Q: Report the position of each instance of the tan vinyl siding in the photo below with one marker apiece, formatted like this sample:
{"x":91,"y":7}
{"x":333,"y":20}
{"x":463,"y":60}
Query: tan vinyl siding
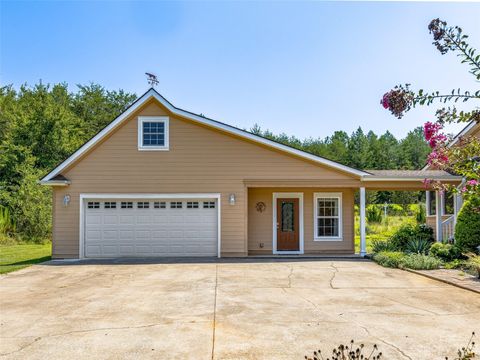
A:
{"x":200,"y":160}
{"x":260,"y":224}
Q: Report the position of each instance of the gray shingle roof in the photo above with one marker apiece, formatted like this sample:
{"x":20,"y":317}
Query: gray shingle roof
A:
{"x":401,"y":174}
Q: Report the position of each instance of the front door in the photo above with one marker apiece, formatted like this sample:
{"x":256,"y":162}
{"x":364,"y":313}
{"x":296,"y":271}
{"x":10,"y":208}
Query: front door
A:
{"x":288,"y":225}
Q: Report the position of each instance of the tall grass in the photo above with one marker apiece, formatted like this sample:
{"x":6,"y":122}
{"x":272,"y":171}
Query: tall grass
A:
{"x":7,"y":224}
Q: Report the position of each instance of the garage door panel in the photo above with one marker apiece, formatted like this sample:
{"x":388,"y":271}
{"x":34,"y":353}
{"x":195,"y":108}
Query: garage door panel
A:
{"x":110,"y":219}
{"x":127,"y":219}
{"x":182,"y":229}
{"x":93,"y":219}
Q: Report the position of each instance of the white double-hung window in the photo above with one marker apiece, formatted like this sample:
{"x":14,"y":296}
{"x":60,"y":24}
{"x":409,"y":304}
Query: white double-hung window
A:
{"x":327,"y":216}
{"x":153,"y":133}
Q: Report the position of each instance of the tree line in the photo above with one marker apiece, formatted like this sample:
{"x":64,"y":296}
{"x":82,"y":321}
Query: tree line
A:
{"x":41,"y":125}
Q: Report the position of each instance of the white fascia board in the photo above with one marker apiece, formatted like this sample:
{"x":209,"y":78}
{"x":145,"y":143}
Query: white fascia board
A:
{"x":54,"y":183}
{"x":410,"y":179}
{"x":202,"y":120}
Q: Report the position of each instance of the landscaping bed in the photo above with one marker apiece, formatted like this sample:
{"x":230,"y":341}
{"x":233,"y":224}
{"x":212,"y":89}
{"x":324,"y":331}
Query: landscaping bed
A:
{"x":412,"y":247}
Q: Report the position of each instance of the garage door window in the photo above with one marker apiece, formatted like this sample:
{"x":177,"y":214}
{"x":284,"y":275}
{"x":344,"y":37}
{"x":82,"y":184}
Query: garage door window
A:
{"x":192,"y":204}
{"x":159,"y":205}
{"x":209,"y":204}
{"x":110,"y":205}
{"x":143,"y":205}
{"x":93,"y":205}
{"x":176,"y":205}
{"x":126,"y":205}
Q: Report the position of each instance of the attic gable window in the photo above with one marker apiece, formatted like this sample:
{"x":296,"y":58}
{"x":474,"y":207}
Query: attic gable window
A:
{"x":153,"y":133}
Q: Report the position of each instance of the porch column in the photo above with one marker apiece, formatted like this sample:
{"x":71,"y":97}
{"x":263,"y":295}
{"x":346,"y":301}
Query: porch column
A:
{"x":363,"y":237}
{"x":455,"y":209}
{"x":438,"y":215}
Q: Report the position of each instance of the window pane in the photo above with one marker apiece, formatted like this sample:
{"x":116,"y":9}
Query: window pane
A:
{"x":288,"y":215}
{"x":448,"y":203}
{"x":153,"y":133}
{"x":327,"y":227}
{"x":433,"y":208}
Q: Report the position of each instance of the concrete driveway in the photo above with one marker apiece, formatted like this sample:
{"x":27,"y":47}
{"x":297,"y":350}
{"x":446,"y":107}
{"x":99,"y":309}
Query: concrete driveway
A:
{"x":238,"y":309}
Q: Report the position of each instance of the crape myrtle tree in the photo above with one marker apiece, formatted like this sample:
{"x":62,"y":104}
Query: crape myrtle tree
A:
{"x":463,"y":158}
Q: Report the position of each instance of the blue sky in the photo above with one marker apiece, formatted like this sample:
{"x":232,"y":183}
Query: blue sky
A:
{"x":306,"y":69}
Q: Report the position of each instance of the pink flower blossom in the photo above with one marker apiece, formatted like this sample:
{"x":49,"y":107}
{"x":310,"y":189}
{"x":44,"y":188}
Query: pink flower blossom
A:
{"x":437,"y":158}
{"x":426,"y":183}
{"x":431,"y":129}
{"x":385,"y":102}
{"x":473,"y":182}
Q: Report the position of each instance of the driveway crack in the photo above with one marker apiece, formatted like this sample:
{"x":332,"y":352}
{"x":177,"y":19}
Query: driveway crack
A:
{"x":381,"y":340}
{"x":81,"y":331}
{"x":290,"y":277}
{"x":333,"y":275}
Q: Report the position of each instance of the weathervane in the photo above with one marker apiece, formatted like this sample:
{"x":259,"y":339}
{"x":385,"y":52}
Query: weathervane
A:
{"x":152,"y":79}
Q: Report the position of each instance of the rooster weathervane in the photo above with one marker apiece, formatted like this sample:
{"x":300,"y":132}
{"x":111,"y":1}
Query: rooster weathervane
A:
{"x":152,"y":79}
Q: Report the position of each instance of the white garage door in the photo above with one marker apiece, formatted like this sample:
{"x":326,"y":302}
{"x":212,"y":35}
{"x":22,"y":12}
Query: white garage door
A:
{"x":142,"y":227}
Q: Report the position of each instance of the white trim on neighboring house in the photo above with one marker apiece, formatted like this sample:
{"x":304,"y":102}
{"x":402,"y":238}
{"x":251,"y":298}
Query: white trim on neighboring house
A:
{"x":331,"y":195}
{"x":464,"y":131}
{"x":159,"y":119}
{"x":152,"y":94}
{"x":84,"y":197}
{"x":288,"y":195}
{"x":457,"y":137}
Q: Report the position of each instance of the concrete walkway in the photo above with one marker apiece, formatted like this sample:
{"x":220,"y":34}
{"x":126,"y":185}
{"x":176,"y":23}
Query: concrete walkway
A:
{"x":238,"y":309}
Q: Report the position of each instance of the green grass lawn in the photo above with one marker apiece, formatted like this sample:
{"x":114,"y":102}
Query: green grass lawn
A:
{"x":19,"y":256}
{"x":380,"y":231}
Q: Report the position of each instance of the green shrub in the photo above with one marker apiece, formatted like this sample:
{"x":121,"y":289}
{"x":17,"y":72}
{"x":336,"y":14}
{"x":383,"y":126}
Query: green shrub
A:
{"x":454,"y":264}
{"x":473,"y":264}
{"x":373,"y":214}
{"x":420,"y":262}
{"x":420,"y":214}
{"x":467,"y":230}
{"x":389,"y":258}
{"x":418,"y":246}
{"x":409,"y":232}
{"x":446,"y":252}
{"x":382,"y":245}
{"x":396,"y":210}
{"x":7,"y":225}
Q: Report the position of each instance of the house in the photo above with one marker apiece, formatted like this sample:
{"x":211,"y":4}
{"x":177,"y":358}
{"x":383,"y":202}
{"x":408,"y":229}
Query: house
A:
{"x":162,"y":181}
{"x":449,"y":203}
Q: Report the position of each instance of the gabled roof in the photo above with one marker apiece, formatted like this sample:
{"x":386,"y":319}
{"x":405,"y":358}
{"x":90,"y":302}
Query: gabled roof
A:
{"x":153,"y":94}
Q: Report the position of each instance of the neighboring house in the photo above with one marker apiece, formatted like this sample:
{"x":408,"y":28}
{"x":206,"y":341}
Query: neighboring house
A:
{"x":162,"y":181}
{"x":449,"y":204}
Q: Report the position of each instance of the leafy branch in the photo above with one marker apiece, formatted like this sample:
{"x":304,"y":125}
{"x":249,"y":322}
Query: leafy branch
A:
{"x":452,"y":39}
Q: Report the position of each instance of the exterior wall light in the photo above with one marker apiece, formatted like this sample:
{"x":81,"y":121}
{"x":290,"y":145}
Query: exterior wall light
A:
{"x":231,"y":199}
{"x":66,"y":200}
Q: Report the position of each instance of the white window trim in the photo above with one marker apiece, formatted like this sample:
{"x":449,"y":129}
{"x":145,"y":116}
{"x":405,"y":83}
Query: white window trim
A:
{"x":298,"y":196}
{"x":337,"y":195}
{"x":159,"y":119}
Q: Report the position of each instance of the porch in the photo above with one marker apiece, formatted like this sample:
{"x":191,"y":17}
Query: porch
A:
{"x":316,"y":218}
